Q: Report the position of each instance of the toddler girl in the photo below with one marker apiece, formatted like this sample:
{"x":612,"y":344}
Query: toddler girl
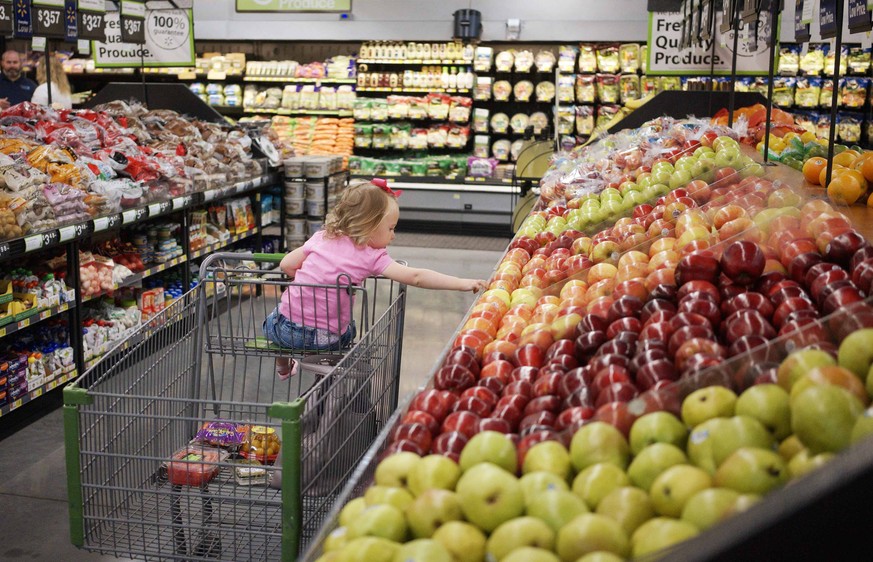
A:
{"x":353,"y":244}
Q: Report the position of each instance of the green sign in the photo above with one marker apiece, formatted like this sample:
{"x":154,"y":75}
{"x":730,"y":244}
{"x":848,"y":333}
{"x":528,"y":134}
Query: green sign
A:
{"x":292,"y":6}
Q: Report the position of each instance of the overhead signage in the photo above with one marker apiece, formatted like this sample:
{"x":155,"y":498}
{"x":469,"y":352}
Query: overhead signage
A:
{"x":827,"y":18}
{"x":5,"y":17}
{"x":169,"y":41}
{"x":667,"y":57}
{"x":132,"y":22}
{"x":727,"y":15}
{"x":291,"y":6}
{"x":48,"y":18}
{"x":859,"y":16}
{"x":91,"y":20}
{"x":801,"y":28}
{"x":706,"y":20}
{"x":750,"y":11}
{"x":23,"y":27}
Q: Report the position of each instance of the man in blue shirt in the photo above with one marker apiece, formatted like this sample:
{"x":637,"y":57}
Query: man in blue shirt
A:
{"x":14,"y":87}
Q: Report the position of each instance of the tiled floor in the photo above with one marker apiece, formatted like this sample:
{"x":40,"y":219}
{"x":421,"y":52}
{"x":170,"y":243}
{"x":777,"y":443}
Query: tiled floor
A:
{"x":33,"y":507}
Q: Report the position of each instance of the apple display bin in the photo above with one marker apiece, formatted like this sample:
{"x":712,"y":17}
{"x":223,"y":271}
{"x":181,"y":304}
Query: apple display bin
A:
{"x":833,"y":506}
{"x":204,"y":359}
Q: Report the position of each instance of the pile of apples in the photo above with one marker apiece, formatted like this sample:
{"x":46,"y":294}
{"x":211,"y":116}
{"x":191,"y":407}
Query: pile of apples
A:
{"x":605,"y":496}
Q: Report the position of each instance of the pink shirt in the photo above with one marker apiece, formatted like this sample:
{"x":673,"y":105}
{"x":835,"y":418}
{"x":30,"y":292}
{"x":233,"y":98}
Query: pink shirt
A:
{"x":325,"y":259}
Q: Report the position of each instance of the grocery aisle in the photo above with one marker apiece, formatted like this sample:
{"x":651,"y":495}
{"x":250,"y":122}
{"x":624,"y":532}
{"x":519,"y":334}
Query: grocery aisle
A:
{"x":33,"y":509}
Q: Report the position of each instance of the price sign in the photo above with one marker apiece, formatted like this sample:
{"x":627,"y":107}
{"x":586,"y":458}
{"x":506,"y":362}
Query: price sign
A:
{"x":48,"y":20}
{"x":91,"y":23}
{"x":22,"y":26}
{"x":105,"y":223}
{"x":132,"y":22}
{"x":827,"y":18}
{"x":72,"y":232}
{"x":801,"y":28}
{"x":71,"y":18}
{"x":859,"y":16}
{"x":5,"y":250}
{"x":181,"y":202}
{"x":5,"y":17}
{"x":159,"y":208}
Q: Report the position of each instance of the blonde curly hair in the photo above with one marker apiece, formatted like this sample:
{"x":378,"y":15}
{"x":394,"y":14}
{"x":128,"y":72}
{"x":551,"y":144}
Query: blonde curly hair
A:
{"x":358,"y":212}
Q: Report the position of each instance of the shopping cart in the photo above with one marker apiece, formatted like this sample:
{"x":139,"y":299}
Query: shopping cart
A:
{"x":203,"y":359}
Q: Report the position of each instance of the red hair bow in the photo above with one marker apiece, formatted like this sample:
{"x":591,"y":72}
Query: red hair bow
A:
{"x":383,"y":185}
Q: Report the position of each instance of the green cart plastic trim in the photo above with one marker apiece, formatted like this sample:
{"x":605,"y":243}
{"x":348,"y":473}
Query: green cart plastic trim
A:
{"x":275,"y":258}
{"x":74,"y":395}
{"x":74,"y":473}
{"x":292,"y":505}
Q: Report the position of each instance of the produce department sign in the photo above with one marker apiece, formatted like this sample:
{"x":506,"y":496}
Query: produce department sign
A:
{"x":169,"y":41}
{"x":666,"y":58}
{"x":293,"y":6}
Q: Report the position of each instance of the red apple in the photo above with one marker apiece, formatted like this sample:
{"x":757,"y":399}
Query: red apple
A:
{"x":686,"y":333}
{"x":423,"y":418}
{"x":501,"y":425}
{"x":548,"y":403}
{"x":747,"y":323}
{"x":418,"y":433}
{"x":463,"y":422}
{"x":449,"y":444}
{"x":654,"y":371}
{"x":433,"y":402}
{"x":454,"y":378}
{"x":525,"y":373}
{"x":519,"y":387}
{"x":843,"y":246}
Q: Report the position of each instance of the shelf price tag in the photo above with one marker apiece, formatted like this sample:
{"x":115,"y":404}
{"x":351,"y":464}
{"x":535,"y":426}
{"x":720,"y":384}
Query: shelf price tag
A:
{"x":92,"y":20}
{"x":133,"y":215}
{"x":48,"y":18}
{"x":6,"y":17}
{"x":132,"y":22}
{"x":181,"y":202}
{"x":105,"y":223}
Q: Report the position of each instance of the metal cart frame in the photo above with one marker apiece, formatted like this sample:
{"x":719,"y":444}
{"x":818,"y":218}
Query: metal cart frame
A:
{"x":203,"y":359}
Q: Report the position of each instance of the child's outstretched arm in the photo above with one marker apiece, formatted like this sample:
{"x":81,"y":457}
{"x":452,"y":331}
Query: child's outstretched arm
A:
{"x":292,"y":262}
{"x":429,"y":279}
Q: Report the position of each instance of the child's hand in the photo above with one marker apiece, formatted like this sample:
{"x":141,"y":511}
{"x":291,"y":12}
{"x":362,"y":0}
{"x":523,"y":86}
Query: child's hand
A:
{"x":474,"y":285}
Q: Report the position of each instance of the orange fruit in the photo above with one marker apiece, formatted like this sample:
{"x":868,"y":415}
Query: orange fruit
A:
{"x":859,"y":176}
{"x":864,"y":164}
{"x":837,"y":170}
{"x":846,"y":157}
{"x":812,"y":169}
{"x":845,"y":189}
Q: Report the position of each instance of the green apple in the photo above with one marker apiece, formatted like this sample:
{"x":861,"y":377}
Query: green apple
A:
{"x":673,"y":488}
{"x":519,"y":532}
{"x":600,"y":556}
{"x":464,"y":541}
{"x":727,"y":158}
{"x":547,"y":456}
{"x":490,"y":446}
{"x":590,"y":532}
{"x":398,"y":497}
{"x":383,"y":520}
{"x":752,"y":471}
{"x":679,"y":178}
{"x":351,"y":511}
{"x":856,"y":352}
{"x":598,"y":442}
{"x":430,"y":510}
{"x":716,"y":439}
{"x":434,"y":471}
{"x":336,"y":539}
{"x":662,"y":176}
{"x":724,"y":141}
{"x":685,"y":163}
{"x":753,"y":169}
{"x":489,"y":496}
{"x":609,"y":193}
{"x":394,"y":470}
{"x":707,"y":507}
{"x":707,"y":403}
{"x":661,"y":188}
{"x":422,"y":550}
{"x":530,"y":554}
{"x":804,"y":462}
{"x":703,"y":151}
{"x":657,"y":427}
{"x":652,"y":461}
{"x":368,"y":549}
{"x":704,"y":168}
{"x":629,"y":506}
{"x":556,"y":507}
{"x":637,"y":196}
{"x":596,"y":481}
{"x":767,"y":403}
{"x":799,"y":363}
{"x":863,"y":427}
{"x":744,"y":502}
{"x":823,"y":417}
{"x":789,"y":447}
{"x":533,"y":483}
{"x":659,"y":533}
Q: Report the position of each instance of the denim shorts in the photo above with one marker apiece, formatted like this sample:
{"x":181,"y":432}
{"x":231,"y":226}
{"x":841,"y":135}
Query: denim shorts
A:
{"x":282,"y":331}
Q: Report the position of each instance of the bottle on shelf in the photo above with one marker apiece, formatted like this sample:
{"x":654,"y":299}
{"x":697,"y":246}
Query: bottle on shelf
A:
{"x":453,"y":78}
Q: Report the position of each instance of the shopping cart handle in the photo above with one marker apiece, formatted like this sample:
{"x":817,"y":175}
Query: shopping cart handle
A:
{"x":272,"y":258}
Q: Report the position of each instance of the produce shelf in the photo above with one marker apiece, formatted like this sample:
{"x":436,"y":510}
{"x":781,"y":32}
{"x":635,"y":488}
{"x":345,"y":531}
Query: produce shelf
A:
{"x":223,"y":243}
{"x":136,"y":277}
{"x":417,"y":90}
{"x":293,"y":80}
{"x":36,"y":393}
{"x":44,"y":314}
{"x":414,"y":61}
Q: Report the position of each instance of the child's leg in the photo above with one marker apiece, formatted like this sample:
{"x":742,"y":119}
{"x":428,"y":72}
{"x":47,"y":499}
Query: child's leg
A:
{"x":278,"y":329}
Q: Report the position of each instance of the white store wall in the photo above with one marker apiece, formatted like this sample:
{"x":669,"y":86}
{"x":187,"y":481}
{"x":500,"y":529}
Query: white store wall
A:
{"x":543,"y":20}
{"x":417,"y":20}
